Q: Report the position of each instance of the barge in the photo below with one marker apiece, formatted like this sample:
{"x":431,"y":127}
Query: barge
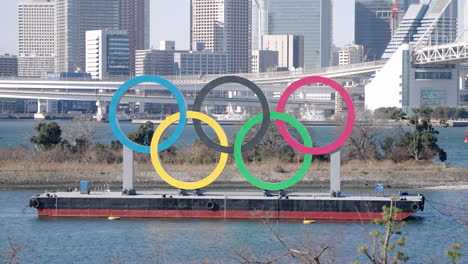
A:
{"x":223,"y":205}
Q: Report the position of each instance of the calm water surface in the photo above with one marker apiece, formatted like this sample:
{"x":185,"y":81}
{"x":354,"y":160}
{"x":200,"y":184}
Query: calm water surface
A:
{"x":182,"y":241}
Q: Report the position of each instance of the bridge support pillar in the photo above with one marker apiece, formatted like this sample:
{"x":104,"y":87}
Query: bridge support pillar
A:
{"x":141,"y":108}
{"x":45,"y":108}
{"x":101,"y":113}
{"x":463,"y":75}
{"x":335,"y":173}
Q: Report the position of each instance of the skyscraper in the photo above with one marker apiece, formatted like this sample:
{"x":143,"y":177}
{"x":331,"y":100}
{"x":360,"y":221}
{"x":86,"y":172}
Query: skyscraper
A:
{"x":373,"y":24}
{"x":135,"y":19}
{"x":36,"y":38}
{"x":73,"y":19}
{"x":259,"y":22}
{"x":224,"y":26}
{"x":309,"y":18}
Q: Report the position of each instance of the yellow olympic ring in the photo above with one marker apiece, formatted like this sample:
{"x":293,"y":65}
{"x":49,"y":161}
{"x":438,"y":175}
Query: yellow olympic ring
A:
{"x":157,"y":163}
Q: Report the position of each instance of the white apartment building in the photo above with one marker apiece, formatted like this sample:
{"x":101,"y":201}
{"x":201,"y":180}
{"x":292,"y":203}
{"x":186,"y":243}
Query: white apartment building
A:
{"x":350,"y":54}
{"x":107,"y":53}
{"x":36,"y":38}
{"x":224,"y":26}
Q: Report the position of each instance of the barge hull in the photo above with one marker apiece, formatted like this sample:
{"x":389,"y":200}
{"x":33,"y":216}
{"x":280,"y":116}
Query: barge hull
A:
{"x":286,"y":215}
{"x":222,"y":207}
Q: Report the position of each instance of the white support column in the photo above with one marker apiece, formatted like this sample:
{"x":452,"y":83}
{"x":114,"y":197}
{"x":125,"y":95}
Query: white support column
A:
{"x":463,"y":73}
{"x":39,"y":105}
{"x":141,"y":108}
{"x":40,"y":111}
{"x":335,"y":173}
{"x":128,"y":186}
{"x":48,"y":104}
{"x":101,"y":112}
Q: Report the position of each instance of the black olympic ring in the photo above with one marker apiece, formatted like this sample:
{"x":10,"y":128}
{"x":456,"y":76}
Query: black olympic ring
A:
{"x":263,"y":101}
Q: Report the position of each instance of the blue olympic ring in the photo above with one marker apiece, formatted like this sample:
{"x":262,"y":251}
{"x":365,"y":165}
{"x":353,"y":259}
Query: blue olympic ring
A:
{"x":115,"y":102}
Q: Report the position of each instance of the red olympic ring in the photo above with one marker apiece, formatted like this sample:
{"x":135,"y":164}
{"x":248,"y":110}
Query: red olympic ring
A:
{"x":349,"y":124}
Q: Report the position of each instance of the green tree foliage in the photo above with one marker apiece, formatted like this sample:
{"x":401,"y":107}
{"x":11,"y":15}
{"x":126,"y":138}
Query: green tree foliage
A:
{"x":442,"y":112}
{"x":418,"y":144}
{"x":394,"y":113}
{"x":386,"y":242}
{"x":143,"y":134}
{"x":421,"y":143}
{"x":48,"y":135}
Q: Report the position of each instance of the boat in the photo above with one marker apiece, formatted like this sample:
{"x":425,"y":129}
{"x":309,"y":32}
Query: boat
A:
{"x":207,"y":204}
{"x":312,"y":114}
{"x":231,"y":115}
{"x":222,"y":205}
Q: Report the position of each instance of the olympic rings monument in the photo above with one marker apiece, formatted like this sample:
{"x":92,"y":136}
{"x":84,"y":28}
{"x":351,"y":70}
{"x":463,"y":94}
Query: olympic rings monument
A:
{"x":273,"y":201}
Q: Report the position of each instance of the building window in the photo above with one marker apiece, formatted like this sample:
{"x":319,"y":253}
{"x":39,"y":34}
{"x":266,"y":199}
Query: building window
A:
{"x":433,"y":75}
{"x":433,"y":96}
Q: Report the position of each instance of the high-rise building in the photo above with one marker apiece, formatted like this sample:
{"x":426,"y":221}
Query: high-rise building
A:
{"x":200,"y":63}
{"x":107,"y":53}
{"x":135,"y":19}
{"x":36,"y":38}
{"x":426,"y":24}
{"x":350,"y":54}
{"x":73,"y":19}
{"x":224,"y":26}
{"x":309,"y":18}
{"x":373,"y":24}
{"x":8,"y":65}
{"x":290,"y":50}
{"x":259,"y":22}
{"x":264,"y":60}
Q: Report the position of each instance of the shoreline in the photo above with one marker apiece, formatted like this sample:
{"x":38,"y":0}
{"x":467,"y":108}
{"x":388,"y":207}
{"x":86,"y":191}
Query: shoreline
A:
{"x":298,"y":187}
{"x":27,"y":175}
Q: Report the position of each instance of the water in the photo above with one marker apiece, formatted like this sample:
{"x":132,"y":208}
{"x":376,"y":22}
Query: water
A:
{"x":14,"y":133}
{"x":181,"y":241}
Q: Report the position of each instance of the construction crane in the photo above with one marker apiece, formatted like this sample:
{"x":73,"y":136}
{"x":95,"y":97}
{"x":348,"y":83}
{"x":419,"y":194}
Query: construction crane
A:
{"x":367,"y":54}
{"x":394,"y":16}
{"x":395,"y":8}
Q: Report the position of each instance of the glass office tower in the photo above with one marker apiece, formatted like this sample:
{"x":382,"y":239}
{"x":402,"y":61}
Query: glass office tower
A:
{"x":309,"y":18}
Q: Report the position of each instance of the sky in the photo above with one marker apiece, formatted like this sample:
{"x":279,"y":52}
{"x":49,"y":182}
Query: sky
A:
{"x":170,"y":20}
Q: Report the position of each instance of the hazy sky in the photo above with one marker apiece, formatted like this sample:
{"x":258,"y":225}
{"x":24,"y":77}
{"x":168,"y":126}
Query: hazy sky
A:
{"x":170,"y":21}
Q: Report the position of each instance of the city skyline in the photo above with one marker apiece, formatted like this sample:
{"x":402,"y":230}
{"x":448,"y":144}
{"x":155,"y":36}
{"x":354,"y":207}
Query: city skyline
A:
{"x":179,"y":30}
{"x":343,"y":28}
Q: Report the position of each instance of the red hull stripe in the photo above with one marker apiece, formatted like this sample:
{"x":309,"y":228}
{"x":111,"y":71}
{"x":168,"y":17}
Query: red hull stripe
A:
{"x":216,"y":214}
